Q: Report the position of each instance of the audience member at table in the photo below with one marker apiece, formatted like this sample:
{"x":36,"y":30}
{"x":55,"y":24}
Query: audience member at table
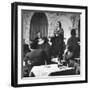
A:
{"x":72,"y":55}
{"x":73,"y":45}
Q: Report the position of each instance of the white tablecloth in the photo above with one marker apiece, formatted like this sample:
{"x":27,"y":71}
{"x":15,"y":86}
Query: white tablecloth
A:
{"x":45,"y":70}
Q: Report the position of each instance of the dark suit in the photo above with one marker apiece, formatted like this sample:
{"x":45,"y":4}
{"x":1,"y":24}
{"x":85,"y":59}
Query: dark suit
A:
{"x":73,"y":47}
{"x":57,"y":46}
{"x":34,"y":58}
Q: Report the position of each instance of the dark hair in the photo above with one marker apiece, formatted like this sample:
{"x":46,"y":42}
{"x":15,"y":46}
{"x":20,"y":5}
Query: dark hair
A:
{"x":33,"y":45}
{"x":73,"y":32}
{"x":60,"y":25}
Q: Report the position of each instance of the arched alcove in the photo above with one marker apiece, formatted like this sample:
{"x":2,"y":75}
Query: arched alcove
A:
{"x":39,"y":23}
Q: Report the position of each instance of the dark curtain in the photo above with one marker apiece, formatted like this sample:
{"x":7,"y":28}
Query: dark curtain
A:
{"x":39,"y":23}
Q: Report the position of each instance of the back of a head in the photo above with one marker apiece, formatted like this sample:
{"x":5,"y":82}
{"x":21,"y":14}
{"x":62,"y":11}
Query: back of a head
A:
{"x":33,"y":45}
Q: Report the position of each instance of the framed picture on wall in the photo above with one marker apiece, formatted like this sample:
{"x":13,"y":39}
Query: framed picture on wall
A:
{"x":49,"y":44}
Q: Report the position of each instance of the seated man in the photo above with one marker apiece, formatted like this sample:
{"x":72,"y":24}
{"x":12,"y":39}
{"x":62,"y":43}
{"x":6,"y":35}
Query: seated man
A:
{"x":73,"y":51}
{"x":35,"y":57}
{"x":38,"y":55}
{"x":43,"y":43}
{"x":73,"y":46}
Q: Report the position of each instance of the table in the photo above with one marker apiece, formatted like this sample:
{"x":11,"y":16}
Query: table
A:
{"x":49,"y":70}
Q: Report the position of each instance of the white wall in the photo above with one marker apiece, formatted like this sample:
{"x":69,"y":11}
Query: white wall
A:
{"x":53,"y":18}
{"x":5,"y":46}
